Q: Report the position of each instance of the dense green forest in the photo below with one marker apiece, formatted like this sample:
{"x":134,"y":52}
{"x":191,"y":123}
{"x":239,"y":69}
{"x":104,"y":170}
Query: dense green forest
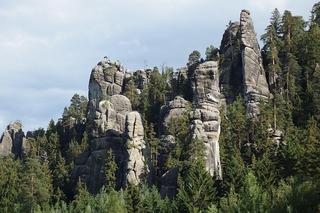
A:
{"x":258,"y":175}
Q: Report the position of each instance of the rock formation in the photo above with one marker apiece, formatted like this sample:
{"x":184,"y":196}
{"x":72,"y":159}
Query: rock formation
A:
{"x":13,"y":141}
{"x":112,"y":125}
{"x":206,"y":116}
{"x":142,"y":77}
{"x":136,"y":148}
{"x":171,"y":110}
{"x":231,"y":66}
{"x":254,"y":79}
{"x":106,"y":80}
{"x":242,"y":69}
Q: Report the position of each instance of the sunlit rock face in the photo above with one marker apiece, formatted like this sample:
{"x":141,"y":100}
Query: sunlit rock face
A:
{"x":255,"y":84}
{"x":206,"y":115}
{"x":242,"y":71}
{"x":112,"y":125}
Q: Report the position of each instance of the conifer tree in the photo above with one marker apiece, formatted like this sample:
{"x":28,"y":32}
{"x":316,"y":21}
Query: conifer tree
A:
{"x":35,"y":185}
{"x":110,"y":169}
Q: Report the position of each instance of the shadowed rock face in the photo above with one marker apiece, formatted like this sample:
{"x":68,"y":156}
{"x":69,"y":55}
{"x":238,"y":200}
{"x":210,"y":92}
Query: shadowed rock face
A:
{"x":13,"y":141}
{"x":206,"y":116}
{"x":254,"y":79}
{"x":231,"y":83}
{"x":112,"y":125}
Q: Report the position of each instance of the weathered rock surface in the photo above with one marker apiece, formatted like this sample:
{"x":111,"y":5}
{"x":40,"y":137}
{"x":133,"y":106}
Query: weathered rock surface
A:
{"x":206,"y":116}
{"x":242,"y":72}
{"x":106,"y":80}
{"x":231,"y":83}
{"x":114,"y":126}
{"x":254,"y":79}
{"x":13,"y":141}
{"x":173,"y":109}
{"x":136,"y":148}
{"x":142,"y":77}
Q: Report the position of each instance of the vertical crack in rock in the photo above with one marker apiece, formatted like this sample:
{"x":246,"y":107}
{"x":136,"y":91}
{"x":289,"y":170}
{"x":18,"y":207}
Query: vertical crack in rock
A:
{"x":254,"y":79}
{"x":206,"y":115}
{"x":112,"y":125}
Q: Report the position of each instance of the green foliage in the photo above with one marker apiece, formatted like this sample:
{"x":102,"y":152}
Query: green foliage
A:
{"x":196,"y":192}
{"x":153,"y":97}
{"x":194,"y":58}
{"x":294,"y":195}
{"x":10,"y":173}
{"x":131,"y":92}
{"x":212,"y":53}
{"x":259,"y":174}
{"x":110,"y":169}
{"x":152,"y":202}
{"x":251,"y":198}
{"x":35,"y":185}
{"x":133,"y":198}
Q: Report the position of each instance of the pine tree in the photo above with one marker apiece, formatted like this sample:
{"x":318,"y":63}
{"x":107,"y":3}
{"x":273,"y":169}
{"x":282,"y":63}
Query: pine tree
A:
{"x":153,"y":144}
{"x":194,"y":58}
{"x":83,"y":200}
{"x":110,"y":169}
{"x":151,"y":201}
{"x":196,"y":192}
{"x":133,"y":199}
{"x":10,"y":189}
{"x":309,"y":163}
{"x":132,"y":93}
{"x":212,"y":53}
{"x":35,"y":185}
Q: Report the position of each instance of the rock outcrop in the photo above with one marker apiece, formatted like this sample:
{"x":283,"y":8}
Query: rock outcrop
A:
{"x":106,"y":80}
{"x":254,"y":79}
{"x":206,"y":116}
{"x":142,"y":77}
{"x":231,"y":83}
{"x":173,"y":109}
{"x":136,"y":148}
{"x":13,"y":141}
{"x":112,"y":125}
{"x":242,"y":72}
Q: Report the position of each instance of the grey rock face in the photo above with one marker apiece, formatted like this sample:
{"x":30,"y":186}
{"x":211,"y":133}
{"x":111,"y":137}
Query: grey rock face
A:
{"x":173,"y":109}
{"x":106,"y":80}
{"x":13,"y":141}
{"x":143,"y":77}
{"x":242,"y":71}
{"x":114,"y":126}
{"x":137,"y":165}
{"x":254,"y":79}
{"x":89,"y":166}
{"x":169,"y":183}
{"x":206,"y":116}
{"x":231,"y":83}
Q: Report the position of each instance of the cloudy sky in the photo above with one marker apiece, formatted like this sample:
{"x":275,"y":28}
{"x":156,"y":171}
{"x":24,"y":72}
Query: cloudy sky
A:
{"x":48,"y":47}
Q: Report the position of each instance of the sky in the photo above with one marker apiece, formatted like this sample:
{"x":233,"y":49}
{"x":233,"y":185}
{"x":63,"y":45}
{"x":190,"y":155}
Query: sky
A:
{"x":49,"y":47}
